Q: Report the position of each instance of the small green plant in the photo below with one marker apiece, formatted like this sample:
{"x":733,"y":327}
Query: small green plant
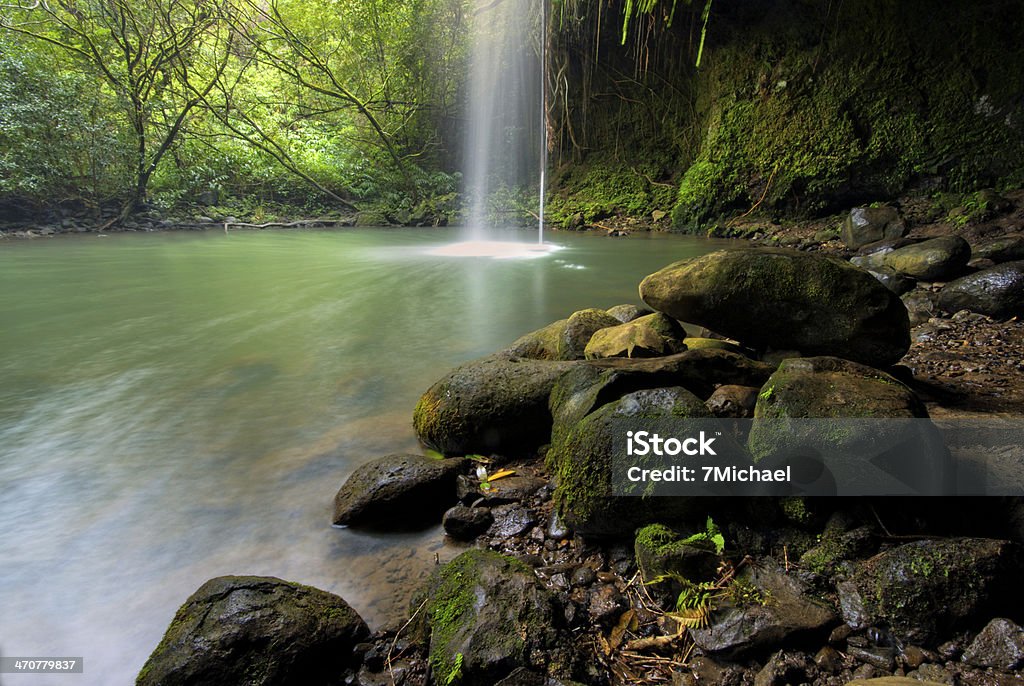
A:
{"x":710,"y":539}
{"x":455,"y":674}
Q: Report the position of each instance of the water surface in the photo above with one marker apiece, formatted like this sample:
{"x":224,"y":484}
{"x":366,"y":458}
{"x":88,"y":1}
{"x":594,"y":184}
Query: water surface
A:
{"x":179,"y":406}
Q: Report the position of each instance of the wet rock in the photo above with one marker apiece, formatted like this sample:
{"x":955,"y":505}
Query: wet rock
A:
{"x":882,"y":658}
{"x":920,"y":304}
{"x":1003,"y":249}
{"x":256,"y":631}
{"x":996,"y":292}
{"x":733,"y":401}
{"x":893,"y":280}
{"x":606,"y":604}
{"x":583,"y":576}
{"x":579,"y":329}
{"x":1000,"y":645}
{"x":557,"y":530}
{"x":627,"y":313}
{"x":924,"y":589}
{"x":486,"y":615}
{"x":790,"y":616}
{"x":785,"y":667}
{"x":466,"y":523}
{"x":785,"y":299}
{"x":931,"y":260}
{"x":837,"y":546}
{"x":582,"y":462}
{"x":494,"y":404}
{"x":870,"y":224}
{"x":914,"y":657}
{"x":397,"y":489}
{"x":931,"y":675}
{"x":510,"y":520}
{"x":829,"y":660}
{"x":653,"y":335}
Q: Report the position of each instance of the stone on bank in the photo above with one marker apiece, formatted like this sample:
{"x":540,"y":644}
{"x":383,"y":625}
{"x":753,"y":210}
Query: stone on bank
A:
{"x":786,"y":300}
{"x":256,"y":631}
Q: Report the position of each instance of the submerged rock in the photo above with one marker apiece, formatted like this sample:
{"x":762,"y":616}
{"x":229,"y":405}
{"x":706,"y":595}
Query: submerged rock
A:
{"x":404,"y":488}
{"x":785,"y":299}
{"x":495,"y":404}
{"x":997,"y":292}
{"x":486,"y":616}
{"x":256,"y":631}
{"x":931,"y":260}
{"x":923,"y":590}
{"x":869,"y":224}
{"x":653,"y":335}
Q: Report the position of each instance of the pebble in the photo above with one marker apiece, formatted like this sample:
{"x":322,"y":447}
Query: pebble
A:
{"x":583,"y":576}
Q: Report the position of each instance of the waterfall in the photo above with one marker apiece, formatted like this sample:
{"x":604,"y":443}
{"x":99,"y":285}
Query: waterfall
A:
{"x":505,"y":137}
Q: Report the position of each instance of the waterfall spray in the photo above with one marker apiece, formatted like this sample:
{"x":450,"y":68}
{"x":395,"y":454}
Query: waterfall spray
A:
{"x":543,"y":115}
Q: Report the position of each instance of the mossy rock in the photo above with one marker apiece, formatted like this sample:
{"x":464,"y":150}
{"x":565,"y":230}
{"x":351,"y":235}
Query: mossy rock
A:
{"x":931,"y":260}
{"x":653,"y":335}
{"x":785,"y":299}
{"x":583,"y":461}
{"x":697,"y":343}
{"x":256,"y":631}
{"x":579,"y":328}
{"x":846,"y":426}
{"x":661,"y":551}
{"x":495,"y":404}
{"x":541,"y":344}
{"x":924,"y":590}
{"x":486,"y":615}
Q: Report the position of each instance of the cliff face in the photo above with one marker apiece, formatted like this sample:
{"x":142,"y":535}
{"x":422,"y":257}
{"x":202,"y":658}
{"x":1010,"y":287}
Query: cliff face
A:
{"x":799,"y":107}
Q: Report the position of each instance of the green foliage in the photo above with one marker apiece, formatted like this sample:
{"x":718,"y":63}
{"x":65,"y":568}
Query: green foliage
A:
{"x":455,"y":675}
{"x":805,"y":120}
{"x":711,"y":538}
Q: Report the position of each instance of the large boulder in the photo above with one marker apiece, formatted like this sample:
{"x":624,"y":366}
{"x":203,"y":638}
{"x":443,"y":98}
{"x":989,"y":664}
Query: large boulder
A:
{"x":493,"y":405}
{"x":256,"y":631}
{"x":400,"y":489}
{"x":487,"y":616}
{"x":997,"y":292}
{"x":846,"y":428}
{"x":869,"y":224}
{"x":785,"y":299}
{"x":628,"y":312}
{"x":584,"y":459}
{"x":924,"y":590}
{"x":653,"y":335}
{"x":931,"y":260}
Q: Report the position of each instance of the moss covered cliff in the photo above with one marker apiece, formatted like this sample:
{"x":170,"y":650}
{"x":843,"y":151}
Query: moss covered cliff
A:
{"x":800,"y":107}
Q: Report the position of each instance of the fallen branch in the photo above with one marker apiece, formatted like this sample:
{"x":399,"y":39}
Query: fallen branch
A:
{"x":300,"y":222}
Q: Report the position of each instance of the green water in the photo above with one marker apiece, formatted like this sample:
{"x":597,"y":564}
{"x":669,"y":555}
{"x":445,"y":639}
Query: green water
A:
{"x":179,"y":406}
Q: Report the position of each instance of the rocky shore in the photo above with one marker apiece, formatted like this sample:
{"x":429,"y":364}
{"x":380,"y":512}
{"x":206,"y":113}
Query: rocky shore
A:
{"x":569,"y":581}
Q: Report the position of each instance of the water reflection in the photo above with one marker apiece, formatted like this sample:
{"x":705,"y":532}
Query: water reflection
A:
{"x":180,"y":406}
